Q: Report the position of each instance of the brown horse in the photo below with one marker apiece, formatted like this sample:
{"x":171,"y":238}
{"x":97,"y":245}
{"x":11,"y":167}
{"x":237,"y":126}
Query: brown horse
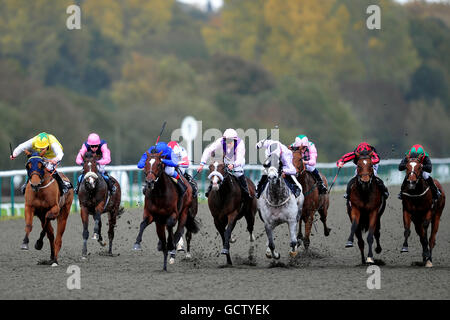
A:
{"x":44,"y":200}
{"x":95,"y":200}
{"x":365,"y":207}
{"x":227,"y":206}
{"x":313,"y":200}
{"x":418,"y":206}
{"x":164,"y":206}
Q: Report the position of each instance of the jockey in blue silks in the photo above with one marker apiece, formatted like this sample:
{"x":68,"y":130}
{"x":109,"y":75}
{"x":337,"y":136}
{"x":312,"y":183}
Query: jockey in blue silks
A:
{"x":170,"y":160}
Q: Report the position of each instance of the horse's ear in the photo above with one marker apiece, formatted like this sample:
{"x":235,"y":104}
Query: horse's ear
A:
{"x":148,"y":154}
{"x":357,"y":154}
{"x":371,"y":153}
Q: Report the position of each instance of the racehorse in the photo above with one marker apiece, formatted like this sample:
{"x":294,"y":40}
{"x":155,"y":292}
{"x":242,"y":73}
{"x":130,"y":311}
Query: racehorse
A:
{"x":365,"y":207}
{"x":313,"y":200}
{"x":227,"y":206}
{"x":164,"y":206}
{"x":94,"y":200}
{"x":278,"y":205}
{"x":418,"y":206}
{"x":192,"y":214}
{"x":44,"y":200}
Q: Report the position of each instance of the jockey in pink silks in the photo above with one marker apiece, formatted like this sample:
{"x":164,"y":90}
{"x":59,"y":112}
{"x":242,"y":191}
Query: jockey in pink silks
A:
{"x":234,"y":150}
{"x":309,"y":154}
{"x":99,"y":147}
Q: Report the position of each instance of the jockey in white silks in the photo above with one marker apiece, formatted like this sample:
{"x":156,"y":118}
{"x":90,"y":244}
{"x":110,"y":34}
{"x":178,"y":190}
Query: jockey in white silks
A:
{"x":309,"y":156}
{"x":285,"y":155}
{"x":234,"y":150}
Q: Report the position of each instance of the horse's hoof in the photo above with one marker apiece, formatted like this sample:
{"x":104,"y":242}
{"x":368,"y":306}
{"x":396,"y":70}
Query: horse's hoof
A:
{"x":102,"y":243}
{"x":370,"y":260}
{"x":54,"y":264}
{"x":83,"y":257}
{"x":24,"y":246}
{"x":378,"y":250}
{"x":349,"y":244}
{"x":171,"y":260}
{"x":268,"y":254}
{"x":225,"y":251}
{"x":39,"y":245}
{"x":428,"y":264}
{"x":95,"y":236}
{"x":277,"y":256}
{"x":251,"y":237}
{"x":327,"y":232}
{"x":188,"y":255}
{"x":293,"y":254}
{"x":137,"y":247}
{"x":232,"y":239}
{"x":180,"y":247}
{"x":404,"y":249}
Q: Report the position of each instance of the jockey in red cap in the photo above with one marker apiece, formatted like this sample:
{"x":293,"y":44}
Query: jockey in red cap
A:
{"x":363,"y":148}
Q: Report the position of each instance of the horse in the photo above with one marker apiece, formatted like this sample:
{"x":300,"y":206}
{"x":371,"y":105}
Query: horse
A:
{"x":277,"y":205}
{"x":313,"y":200}
{"x":227,"y":206}
{"x":365,"y":207}
{"x":94,"y":200}
{"x":418,"y":207}
{"x":44,"y":200}
{"x":164,"y":206}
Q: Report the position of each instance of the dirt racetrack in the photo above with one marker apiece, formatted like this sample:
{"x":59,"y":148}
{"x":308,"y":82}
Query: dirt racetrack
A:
{"x":327,"y":271}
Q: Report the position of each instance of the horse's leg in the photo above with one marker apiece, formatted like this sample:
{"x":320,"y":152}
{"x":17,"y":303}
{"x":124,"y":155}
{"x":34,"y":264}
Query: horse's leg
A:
{"x":161,"y":231}
{"x":308,"y":227}
{"x":407,"y":232}
{"x":171,"y":243}
{"x":426,"y":224}
{"x":85,"y":222}
{"x":29,"y":214}
{"x":188,"y":245}
{"x":323,"y":217}
{"x":51,"y":239}
{"x":355,"y":214}
{"x":299,"y":232}
{"x":270,"y":252}
{"x":61,"y":227}
{"x":292,"y":232}
{"x":423,"y":240}
{"x":372,"y":227}
{"x":250,"y":219}
{"x":98,"y":223}
{"x":112,"y":216}
{"x":181,"y":224}
{"x":434,"y":230}
{"x":40,"y":242}
{"x":227,"y":235}
{"x":358,"y":233}
{"x":377,"y":235}
{"x":147,"y":219}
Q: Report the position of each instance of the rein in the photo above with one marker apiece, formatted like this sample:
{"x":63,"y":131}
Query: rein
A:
{"x":416,"y":195}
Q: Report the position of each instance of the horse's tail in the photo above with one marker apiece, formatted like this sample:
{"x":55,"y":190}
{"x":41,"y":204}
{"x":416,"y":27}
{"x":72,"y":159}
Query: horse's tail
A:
{"x":192,"y":224}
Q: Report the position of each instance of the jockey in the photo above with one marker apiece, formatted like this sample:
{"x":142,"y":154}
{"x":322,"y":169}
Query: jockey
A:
{"x":417,"y":151}
{"x":363,"y":148}
{"x":183,"y":164}
{"x":52,"y":156}
{"x":170,"y":159}
{"x":100,"y":148}
{"x":289,"y":171}
{"x":234,"y":150}
{"x":309,"y":153}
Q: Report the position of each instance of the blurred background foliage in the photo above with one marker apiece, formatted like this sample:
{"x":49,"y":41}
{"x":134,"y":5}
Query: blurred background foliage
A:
{"x":311,"y":67}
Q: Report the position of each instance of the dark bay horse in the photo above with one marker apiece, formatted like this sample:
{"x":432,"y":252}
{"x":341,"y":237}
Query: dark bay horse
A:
{"x":227,"y":206}
{"x":365,"y":207}
{"x":44,"y":200}
{"x":164,"y":206}
{"x":418,"y":207}
{"x":313,"y":200}
{"x":95,"y":200}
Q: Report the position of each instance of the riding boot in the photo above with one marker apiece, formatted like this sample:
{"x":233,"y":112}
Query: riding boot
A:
{"x":109,"y":182}
{"x":383,"y":188}
{"x":244,"y":186}
{"x":62,"y":186}
{"x":193,"y":183}
{"x":401,"y":188}
{"x":181,"y":187}
{"x":292,"y":186}
{"x":349,"y":188}
{"x":322,"y":188}
{"x":261,"y":185}
{"x":434,"y":189}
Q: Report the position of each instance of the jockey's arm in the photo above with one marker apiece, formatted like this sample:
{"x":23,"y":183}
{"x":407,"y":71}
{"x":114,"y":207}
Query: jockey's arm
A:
{"x":402,"y":165}
{"x":211,"y":148}
{"x":141,"y":163}
{"x":346,"y":158}
{"x":375,"y":157}
{"x":59,"y":154}
{"x":427,"y":167}
{"x":80,"y":155}
{"x":27,"y":145}
{"x":106,"y":155}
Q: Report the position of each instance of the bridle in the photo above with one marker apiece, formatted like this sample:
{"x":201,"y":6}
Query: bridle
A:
{"x":360,"y":175}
